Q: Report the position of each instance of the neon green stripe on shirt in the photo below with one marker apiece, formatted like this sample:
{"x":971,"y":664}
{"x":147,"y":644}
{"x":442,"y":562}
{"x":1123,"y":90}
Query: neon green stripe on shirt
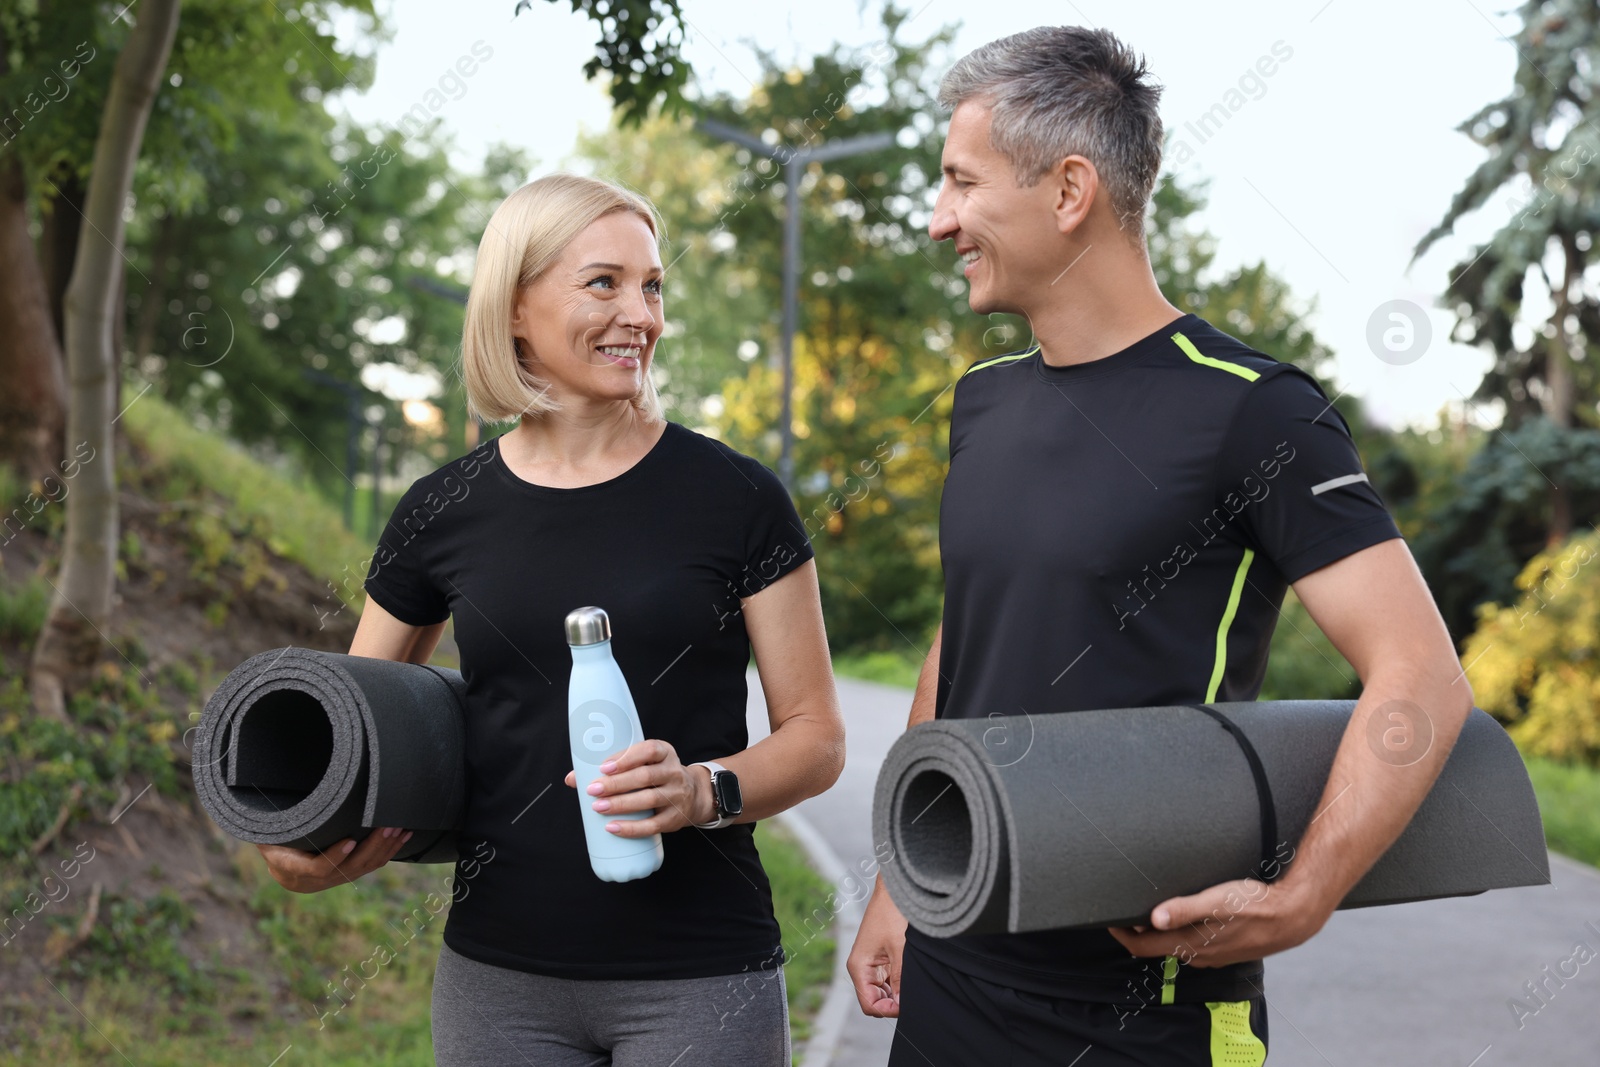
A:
{"x":1194,"y":353}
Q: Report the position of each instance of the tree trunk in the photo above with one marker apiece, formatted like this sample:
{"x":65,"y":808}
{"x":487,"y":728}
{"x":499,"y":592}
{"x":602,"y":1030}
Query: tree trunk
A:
{"x":70,"y":641}
{"x":1565,"y":348}
{"x":33,"y":385}
{"x":58,"y":242}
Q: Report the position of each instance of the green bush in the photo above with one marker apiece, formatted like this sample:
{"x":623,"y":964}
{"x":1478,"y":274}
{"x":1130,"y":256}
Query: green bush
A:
{"x":22,"y":609}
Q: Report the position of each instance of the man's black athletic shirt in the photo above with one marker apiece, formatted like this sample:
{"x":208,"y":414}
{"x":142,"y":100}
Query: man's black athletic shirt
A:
{"x":668,"y":548}
{"x":1120,"y":533}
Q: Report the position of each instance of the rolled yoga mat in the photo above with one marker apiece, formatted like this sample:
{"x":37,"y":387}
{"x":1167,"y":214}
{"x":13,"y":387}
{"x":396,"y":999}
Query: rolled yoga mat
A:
{"x":306,"y":748}
{"x":1091,"y":818}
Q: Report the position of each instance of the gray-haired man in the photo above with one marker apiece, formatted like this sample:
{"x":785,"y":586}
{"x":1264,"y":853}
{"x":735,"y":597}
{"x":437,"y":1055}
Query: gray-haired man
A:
{"x":1127,"y":501}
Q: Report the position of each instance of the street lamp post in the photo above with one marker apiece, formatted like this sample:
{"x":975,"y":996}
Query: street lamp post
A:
{"x":794,"y":161}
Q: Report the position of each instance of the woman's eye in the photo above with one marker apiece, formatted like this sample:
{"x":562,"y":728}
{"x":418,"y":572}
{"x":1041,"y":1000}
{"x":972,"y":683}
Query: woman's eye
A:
{"x":602,"y":278}
{"x":653,"y":286}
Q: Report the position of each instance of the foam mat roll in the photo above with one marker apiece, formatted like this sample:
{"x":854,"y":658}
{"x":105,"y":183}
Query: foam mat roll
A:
{"x":305,"y":748}
{"x":1091,"y":818}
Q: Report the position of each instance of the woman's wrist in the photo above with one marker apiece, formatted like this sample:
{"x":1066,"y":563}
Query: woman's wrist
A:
{"x":702,"y":805}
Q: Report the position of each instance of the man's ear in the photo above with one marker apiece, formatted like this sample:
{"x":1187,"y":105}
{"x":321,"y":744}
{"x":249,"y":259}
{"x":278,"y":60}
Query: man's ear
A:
{"x":1074,"y":183}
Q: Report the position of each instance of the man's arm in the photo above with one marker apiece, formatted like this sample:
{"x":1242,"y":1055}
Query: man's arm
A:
{"x":874,"y":963}
{"x":1377,"y":610}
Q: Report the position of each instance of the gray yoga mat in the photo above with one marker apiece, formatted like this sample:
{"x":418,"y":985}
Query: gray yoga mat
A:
{"x":1091,"y":818}
{"x":306,"y":748}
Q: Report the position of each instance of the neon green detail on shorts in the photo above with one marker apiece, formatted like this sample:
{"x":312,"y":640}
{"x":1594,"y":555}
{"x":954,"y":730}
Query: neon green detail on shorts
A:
{"x":1227,"y":621}
{"x":1001,"y":359}
{"x":1194,"y":353}
{"x":1169,"y":979}
{"x":1233,"y":1043}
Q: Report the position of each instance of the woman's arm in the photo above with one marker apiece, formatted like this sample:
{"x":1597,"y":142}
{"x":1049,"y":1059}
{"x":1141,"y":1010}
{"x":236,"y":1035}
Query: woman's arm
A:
{"x":804,"y":754}
{"x":379,"y":635}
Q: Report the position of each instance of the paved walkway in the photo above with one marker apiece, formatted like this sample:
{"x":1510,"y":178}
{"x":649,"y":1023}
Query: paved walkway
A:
{"x":1413,"y":984}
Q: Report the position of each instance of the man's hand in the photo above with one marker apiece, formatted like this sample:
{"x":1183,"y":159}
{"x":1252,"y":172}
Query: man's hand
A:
{"x":649,"y":776}
{"x":874,"y":962}
{"x":1230,"y":923}
{"x":300,"y":871}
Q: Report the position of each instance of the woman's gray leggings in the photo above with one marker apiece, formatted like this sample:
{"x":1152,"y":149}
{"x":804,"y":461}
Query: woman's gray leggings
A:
{"x":485,"y":1015}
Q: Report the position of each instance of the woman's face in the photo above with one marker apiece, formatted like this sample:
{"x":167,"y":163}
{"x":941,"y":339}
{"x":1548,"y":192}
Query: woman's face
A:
{"x":588,"y":325}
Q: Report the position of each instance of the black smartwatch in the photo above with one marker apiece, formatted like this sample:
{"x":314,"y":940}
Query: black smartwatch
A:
{"x":726,"y":799}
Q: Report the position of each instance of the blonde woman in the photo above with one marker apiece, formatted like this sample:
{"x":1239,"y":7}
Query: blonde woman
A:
{"x":697,"y":554}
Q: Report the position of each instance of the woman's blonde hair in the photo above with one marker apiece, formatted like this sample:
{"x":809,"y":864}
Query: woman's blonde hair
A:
{"x":527,"y":233}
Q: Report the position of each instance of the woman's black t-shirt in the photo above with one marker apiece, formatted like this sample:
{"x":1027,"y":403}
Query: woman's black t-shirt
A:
{"x":667,"y":548}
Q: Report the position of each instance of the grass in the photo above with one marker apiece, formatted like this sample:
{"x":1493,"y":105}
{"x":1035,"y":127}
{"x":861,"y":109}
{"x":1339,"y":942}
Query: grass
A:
{"x":802,"y":902}
{"x":887,"y":668}
{"x":1569,"y":801}
{"x":292,"y":518}
{"x":150,"y":986}
{"x":141,"y":994}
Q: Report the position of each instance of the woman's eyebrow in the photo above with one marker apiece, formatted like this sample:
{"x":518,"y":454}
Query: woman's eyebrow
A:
{"x":607,"y":266}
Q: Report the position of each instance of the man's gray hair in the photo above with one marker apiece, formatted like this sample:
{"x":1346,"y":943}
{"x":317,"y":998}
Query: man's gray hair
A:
{"x":1059,"y":91}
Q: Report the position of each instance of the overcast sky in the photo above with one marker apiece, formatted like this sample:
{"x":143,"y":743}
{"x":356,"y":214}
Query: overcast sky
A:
{"x":1330,"y":168}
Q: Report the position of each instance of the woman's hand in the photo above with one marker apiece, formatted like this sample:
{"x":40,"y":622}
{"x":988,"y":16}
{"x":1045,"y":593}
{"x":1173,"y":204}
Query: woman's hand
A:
{"x":645,"y":776}
{"x":300,"y":871}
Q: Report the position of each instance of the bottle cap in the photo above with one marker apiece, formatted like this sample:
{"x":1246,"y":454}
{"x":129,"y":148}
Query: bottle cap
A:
{"x":588,"y":626}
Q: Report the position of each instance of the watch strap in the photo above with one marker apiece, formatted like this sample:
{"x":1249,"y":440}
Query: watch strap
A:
{"x":715,"y":824}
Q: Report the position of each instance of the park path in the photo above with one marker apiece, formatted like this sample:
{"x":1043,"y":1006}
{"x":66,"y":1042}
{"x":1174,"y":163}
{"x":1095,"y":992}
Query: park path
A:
{"x":1413,"y":984}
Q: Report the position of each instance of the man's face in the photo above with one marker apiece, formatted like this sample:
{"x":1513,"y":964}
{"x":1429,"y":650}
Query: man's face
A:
{"x":1005,"y":233}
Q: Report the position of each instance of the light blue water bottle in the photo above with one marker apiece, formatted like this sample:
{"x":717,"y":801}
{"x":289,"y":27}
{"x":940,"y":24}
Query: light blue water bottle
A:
{"x":602,"y":721}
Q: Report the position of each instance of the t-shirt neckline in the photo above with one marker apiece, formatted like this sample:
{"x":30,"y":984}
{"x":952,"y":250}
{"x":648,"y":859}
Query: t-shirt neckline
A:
{"x":1122,"y":359}
{"x":534,"y":488}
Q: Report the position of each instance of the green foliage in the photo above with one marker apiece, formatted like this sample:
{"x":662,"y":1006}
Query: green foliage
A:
{"x":884,"y":325}
{"x":1569,"y":803}
{"x":1541,"y":147}
{"x":640,"y":50}
{"x":1302,"y":663}
{"x":119,"y":729}
{"x":1488,"y":523}
{"x":22,"y":609}
{"x":899,"y":668}
{"x":264,"y":506}
{"x":1536,"y":664}
{"x":805,"y":907}
{"x":141,"y":938}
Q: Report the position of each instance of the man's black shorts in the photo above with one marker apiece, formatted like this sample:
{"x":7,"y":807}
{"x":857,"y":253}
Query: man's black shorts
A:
{"x":952,"y":1019}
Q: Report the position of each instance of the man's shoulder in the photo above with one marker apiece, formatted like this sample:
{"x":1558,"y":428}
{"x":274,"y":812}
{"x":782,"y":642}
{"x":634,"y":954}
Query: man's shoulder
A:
{"x":1199,"y":345}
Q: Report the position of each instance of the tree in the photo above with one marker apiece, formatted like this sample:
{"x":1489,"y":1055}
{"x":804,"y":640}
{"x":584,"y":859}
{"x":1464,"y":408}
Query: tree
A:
{"x":72,"y":631}
{"x":640,"y":49}
{"x":885,"y":329}
{"x":1542,"y":138}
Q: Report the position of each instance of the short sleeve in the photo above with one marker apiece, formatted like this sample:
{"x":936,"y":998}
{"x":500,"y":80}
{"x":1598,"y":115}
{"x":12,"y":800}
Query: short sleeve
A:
{"x":398,"y":576}
{"x":775,"y":540}
{"x":1290,"y":470}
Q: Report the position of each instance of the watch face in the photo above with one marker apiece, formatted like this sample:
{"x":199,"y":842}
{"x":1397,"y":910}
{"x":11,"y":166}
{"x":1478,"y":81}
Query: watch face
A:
{"x":729,"y":800}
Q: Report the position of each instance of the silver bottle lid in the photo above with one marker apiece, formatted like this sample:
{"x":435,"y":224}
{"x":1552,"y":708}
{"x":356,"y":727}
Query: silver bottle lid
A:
{"x":588,"y":626}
